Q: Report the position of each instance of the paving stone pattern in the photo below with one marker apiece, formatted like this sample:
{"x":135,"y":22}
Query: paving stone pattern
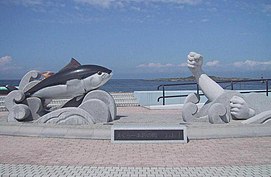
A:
{"x":26,"y":156}
{"x":37,"y":156}
{"x":41,"y":170}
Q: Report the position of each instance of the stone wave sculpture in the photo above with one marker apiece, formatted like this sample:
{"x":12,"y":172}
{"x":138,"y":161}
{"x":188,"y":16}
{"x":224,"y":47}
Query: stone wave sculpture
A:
{"x":223,"y":105}
{"x":75,"y":82}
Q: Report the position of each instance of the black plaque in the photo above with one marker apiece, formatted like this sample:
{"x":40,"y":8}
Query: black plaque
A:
{"x":148,"y":135}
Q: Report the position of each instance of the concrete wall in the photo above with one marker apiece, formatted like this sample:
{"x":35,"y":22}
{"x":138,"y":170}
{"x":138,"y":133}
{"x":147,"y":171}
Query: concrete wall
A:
{"x":149,"y":98}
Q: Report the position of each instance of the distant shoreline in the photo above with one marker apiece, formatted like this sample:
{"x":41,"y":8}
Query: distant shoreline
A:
{"x":191,"y":78}
{"x":180,"y":79}
{"x":131,"y":85}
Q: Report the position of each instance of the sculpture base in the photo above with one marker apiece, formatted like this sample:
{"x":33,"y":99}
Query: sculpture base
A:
{"x":148,"y":133}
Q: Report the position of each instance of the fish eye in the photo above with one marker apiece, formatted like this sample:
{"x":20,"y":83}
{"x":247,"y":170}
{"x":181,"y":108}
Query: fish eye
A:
{"x":100,"y":73}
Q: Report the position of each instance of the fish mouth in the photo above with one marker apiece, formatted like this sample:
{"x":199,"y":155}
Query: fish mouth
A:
{"x":110,"y":75}
{"x":107,"y":77}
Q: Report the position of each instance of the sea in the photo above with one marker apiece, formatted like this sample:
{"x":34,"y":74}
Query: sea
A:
{"x":131,"y":85}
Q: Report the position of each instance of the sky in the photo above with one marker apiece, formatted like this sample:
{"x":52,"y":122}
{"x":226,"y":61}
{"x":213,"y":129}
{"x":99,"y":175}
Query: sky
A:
{"x":136,"y":38}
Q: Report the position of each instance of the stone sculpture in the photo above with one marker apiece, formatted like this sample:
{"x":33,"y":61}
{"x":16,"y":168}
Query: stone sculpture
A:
{"x":75,"y":82}
{"x":222,"y":105}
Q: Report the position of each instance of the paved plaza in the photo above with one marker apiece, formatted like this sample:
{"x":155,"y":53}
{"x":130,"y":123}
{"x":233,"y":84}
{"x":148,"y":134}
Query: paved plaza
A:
{"x":40,"y":170}
{"x":33,"y":156}
{"x":48,"y":156}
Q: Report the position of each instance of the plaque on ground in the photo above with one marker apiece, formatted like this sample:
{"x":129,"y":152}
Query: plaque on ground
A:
{"x":148,"y":133}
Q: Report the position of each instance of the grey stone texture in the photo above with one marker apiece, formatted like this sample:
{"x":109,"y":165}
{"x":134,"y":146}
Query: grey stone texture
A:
{"x":20,"y":111}
{"x":261,"y":118}
{"x":26,"y":81}
{"x":224,"y":100}
{"x":219,"y":110}
{"x":222,"y":105}
{"x":68,"y":116}
{"x":128,"y":115}
{"x":97,"y":106}
{"x":36,"y":107}
{"x":189,"y":111}
{"x":217,"y":114}
{"x":97,"y":109}
{"x":106,"y":98}
{"x":192,"y":98}
{"x":13,"y":97}
{"x":258,"y":102}
{"x":88,"y":112}
{"x":17,"y":111}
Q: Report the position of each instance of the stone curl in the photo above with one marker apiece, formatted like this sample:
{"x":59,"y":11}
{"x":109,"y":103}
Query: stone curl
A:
{"x":223,"y":105}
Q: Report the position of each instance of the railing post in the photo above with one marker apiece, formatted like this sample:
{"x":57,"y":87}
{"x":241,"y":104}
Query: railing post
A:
{"x":266,"y":85}
{"x":164,"y":95}
{"x":198,"y":87}
{"x":198,"y":90}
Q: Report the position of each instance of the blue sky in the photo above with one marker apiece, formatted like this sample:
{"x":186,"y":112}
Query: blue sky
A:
{"x":136,"y":38}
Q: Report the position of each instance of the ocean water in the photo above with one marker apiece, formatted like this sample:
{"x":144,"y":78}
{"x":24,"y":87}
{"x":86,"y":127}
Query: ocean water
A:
{"x":123,"y":85}
{"x":131,"y":85}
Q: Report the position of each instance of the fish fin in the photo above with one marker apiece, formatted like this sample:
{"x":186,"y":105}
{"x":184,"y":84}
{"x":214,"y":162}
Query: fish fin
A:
{"x":79,"y":98}
{"x":74,"y":102}
{"x":72,"y":65}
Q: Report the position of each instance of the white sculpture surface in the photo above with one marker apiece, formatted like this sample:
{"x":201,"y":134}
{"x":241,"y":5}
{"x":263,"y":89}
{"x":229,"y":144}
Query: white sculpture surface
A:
{"x":210,"y":88}
{"x":222,"y":105}
{"x":75,"y":82}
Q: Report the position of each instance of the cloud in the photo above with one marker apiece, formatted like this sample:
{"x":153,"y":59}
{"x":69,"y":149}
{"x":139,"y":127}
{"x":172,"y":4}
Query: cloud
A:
{"x":183,"y":65}
{"x":155,"y":65}
{"x":39,"y":5}
{"x":267,"y":8}
{"x":205,"y":20}
{"x":188,"y":2}
{"x":7,"y":68}
{"x":6,"y":64}
{"x":99,"y":3}
{"x":5,"y":60}
{"x":122,"y":3}
{"x":213,"y":63}
{"x":154,"y":68}
{"x":27,"y":3}
{"x":251,"y":64}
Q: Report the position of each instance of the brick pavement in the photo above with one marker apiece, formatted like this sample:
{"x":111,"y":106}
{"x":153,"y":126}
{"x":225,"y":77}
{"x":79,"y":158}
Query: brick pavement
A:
{"x":214,"y":152}
{"x":41,"y":170}
{"x":233,"y":156}
{"x":36,"y":156}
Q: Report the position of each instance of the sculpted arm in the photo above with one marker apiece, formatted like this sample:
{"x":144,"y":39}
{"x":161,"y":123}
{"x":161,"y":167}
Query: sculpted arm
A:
{"x":209,"y":87}
{"x":239,"y":107}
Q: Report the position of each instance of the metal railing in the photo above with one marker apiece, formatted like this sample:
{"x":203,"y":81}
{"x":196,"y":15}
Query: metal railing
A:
{"x":232,"y":82}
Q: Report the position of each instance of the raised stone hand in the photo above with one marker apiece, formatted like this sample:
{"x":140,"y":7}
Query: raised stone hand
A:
{"x":209,"y":87}
{"x":194,"y":63}
{"x":223,"y":105}
{"x":240,"y":109}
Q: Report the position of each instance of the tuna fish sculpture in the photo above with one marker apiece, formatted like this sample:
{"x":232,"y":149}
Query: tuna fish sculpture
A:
{"x":77,"y":84}
{"x":72,"y":81}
